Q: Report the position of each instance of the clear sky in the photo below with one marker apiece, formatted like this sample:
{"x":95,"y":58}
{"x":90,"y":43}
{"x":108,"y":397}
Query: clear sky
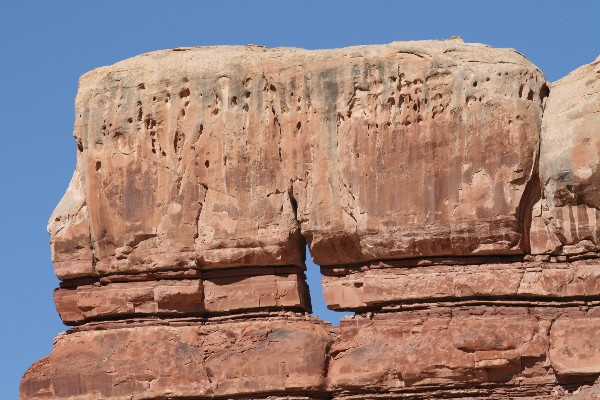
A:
{"x":45,"y":46}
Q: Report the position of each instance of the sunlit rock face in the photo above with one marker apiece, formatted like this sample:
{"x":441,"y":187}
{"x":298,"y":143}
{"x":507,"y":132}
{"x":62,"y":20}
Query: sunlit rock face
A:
{"x":567,"y":218}
{"x":232,"y":156}
{"x":446,"y":190}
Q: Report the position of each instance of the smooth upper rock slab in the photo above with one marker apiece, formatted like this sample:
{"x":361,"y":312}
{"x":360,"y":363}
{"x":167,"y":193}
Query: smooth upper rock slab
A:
{"x":231,"y":156}
{"x":567,"y":219}
{"x":259,"y":357}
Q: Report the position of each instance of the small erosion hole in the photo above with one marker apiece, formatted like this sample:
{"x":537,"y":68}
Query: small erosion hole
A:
{"x":544,"y":92}
{"x":185,"y":92}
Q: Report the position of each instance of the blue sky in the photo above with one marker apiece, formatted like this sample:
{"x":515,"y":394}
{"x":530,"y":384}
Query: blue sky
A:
{"x":45,"y":46}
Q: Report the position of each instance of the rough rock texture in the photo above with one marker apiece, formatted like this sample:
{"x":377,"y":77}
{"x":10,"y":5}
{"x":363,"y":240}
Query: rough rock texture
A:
{"x":586,"y":393}
{"x":184,"y":360}
{"x":186,"y":293}
{"x":385,"y":283}
{"x":574,"y":351}
{"x":525,"y":350}
{"x":447,"y":192}
{"x":395,"y":351}
{"x":128,"y":299}
{"x":231,"y":156}
{"x":567,"y":219}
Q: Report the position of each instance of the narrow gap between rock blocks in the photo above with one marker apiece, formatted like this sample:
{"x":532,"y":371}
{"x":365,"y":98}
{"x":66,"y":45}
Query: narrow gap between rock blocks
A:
{"x":315,"y":288}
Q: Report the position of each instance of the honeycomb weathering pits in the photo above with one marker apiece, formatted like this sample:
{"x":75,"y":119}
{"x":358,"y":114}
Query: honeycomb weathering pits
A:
{"x":446,"y":190}
{"x":231,"y":156}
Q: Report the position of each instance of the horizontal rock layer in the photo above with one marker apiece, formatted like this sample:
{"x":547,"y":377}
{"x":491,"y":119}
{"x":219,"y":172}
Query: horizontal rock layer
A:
{"x":185,"y":360}
{"x":184,"y":293}
{"x":440,"y":350}
{"x":470,"y":349}
{"x":373,"y":286}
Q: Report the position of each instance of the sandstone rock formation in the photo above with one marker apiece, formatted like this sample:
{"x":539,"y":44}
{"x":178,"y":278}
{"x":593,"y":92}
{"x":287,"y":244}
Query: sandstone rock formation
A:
{"x":446,"y":190}
{"x":566,"y":220}
{"x":224,"y":157}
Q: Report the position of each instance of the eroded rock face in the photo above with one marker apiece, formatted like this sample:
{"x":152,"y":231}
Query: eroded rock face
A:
{"x":183,"y":293}
{"x":567,"y":217}
{"x":466,"y":350}
{"x":229,"y":156}
{"x":184,"y":360}
{"x":389,"y":284}
{"x":573,"y":351}
{"x":449,"y":201}
{"x":586,"y":393}
{"x":398,"y":351}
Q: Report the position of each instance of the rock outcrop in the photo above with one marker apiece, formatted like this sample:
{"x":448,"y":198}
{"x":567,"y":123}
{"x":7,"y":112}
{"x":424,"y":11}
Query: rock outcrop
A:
{"x":566,"y":219}
{"x":446,"y":190}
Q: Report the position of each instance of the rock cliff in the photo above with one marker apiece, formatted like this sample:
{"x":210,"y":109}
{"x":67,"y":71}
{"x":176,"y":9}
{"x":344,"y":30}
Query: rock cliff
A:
{"x":447,"y":191}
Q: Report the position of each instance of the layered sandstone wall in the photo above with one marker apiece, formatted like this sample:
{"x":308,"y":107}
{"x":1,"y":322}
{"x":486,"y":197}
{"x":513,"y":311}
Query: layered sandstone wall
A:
{"x":445,"y":189}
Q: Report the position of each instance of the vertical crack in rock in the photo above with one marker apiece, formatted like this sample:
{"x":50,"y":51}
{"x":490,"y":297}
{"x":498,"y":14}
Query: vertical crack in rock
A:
{"x":533,"y":192}
{"x":199,"y":214}
{"x":530,"y":197}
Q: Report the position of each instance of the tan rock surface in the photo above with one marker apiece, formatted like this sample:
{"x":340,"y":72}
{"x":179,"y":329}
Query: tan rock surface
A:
{"x":569,"y":159}
{"x":69,"y":228}
{"x":197,"y":360}
{"x":224,"y":156}
{"x":586,"y":393}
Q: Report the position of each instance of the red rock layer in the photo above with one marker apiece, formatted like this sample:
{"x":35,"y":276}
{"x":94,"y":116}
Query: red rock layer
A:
{"x":525,"y":350}
{"x":377,"y":285}
{"x":185,"y":359}
{"x":566,"y":218}
{"x":183,"y":293}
